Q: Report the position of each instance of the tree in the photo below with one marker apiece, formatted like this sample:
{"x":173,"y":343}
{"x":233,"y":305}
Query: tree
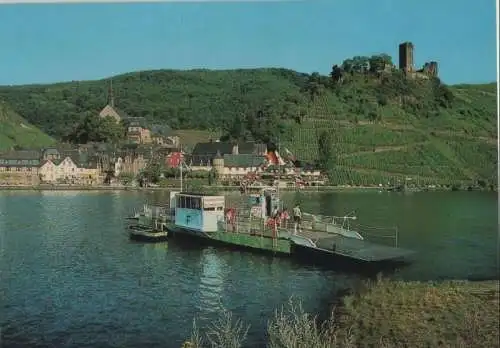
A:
{"x":347,"y":65}
{"x":360,"y":64}
{"x":442,"y":94}
{"x":96,"y":129}
{"x":337,"y":74}
{"x":313,"y":86}
{"x":126,"y":178}
{"x":265,"y":124}
{"x":152,"y":172}
{"x":379,"y":61}
{"x":325,"y":150}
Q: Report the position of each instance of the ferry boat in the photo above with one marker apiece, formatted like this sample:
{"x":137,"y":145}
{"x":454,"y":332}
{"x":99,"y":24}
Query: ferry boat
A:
{"x":206,"y":218}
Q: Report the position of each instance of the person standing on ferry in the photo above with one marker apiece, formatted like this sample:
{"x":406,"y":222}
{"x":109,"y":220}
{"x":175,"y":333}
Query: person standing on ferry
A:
{"x":297,"y":217}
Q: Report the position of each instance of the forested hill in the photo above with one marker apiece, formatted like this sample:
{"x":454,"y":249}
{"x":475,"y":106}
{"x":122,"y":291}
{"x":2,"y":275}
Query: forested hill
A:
{"x":381,"y":122}
{"x":204,"y":99}
{"x":184,"y":99}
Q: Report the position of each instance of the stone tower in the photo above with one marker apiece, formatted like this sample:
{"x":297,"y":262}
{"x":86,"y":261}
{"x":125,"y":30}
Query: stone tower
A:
{"x":406,"y":56}
{"x":218,"y":163}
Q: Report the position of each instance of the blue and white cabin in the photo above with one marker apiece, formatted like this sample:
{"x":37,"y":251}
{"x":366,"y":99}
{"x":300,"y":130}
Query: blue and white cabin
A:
{"x":199,"y":212}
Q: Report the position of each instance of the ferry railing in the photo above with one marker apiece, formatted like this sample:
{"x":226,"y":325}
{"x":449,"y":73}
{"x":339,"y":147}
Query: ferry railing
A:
{"x":312,"y":227}
{"x":349,"y":227}
{"x":156,"y":215}
{"x":245,"y":222}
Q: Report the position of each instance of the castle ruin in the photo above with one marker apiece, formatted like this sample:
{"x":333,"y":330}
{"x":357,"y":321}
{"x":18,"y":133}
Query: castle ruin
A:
{"x":406,"y":63}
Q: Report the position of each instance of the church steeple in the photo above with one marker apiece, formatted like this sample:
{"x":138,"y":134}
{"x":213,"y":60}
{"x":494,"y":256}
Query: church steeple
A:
{"x":111,"y":97}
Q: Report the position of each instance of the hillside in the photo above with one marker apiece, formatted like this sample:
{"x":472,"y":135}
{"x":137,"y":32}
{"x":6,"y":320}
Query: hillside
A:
{"x":16,"y":132}
{"x":382,"y":126}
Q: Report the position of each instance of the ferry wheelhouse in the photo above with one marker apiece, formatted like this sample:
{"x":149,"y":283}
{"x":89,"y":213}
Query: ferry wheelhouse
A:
{"x":198,"y":213}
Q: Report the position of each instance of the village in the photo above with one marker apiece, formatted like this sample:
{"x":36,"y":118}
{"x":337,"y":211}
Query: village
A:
{"x":105,"y":164}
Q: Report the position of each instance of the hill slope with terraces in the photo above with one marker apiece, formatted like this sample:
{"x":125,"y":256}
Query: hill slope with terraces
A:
{"x":16,"y":132}
{"x":383,"y":126}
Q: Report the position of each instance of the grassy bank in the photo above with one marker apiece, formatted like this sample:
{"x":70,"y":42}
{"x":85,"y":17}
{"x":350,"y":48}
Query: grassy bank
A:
{"x":381,"y":314}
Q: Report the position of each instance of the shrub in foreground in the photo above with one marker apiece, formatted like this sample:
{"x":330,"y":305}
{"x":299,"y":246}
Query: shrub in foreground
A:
{"x":381,"y":314}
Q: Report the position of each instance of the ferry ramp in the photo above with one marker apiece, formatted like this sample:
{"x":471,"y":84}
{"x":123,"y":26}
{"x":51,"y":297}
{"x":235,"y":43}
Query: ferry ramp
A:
{"x":334,"y":239}
{"x":361,"y":249}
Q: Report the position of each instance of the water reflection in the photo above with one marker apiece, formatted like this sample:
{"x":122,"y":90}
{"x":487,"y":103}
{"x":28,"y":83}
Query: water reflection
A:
{"x":154,"y":253}
{"x":65,"y":193}
{"x":211,"y":283}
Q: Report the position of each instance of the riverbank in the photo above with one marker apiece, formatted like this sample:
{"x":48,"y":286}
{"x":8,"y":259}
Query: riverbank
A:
{"x":382,"y":314}
{"x":172,"y":187}
{"x":203,"y":188}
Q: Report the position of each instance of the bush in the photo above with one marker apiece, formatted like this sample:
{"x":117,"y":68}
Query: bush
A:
{"x":379,"y":314}
{"x":225,"y":332}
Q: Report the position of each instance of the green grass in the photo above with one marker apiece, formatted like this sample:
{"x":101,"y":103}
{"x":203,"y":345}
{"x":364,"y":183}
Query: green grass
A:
{"x":190,"y":137}
{"x":381,"y":314}
{"x":449,"y":314}
{"x":421,"y":160}
{"x":16,"y":132}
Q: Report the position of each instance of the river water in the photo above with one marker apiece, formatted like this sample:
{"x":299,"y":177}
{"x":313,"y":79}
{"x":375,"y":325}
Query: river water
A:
{"x":69,"y":276}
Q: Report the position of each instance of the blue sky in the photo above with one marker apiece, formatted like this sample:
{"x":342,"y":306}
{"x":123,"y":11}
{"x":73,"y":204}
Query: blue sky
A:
{"x":62,"y":42}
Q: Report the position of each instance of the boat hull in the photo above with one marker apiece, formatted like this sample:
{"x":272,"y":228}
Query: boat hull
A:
{"x":141,"y":234}
{"x":233,"y":240}
{"x":331,"y":260}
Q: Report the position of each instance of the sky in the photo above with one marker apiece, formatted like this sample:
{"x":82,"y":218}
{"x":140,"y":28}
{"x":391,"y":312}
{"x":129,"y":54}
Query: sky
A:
{"x":45,"y":43}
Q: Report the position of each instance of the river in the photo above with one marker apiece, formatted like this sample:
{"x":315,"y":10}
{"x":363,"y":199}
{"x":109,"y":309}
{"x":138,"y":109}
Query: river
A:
{"x":69,"y":276}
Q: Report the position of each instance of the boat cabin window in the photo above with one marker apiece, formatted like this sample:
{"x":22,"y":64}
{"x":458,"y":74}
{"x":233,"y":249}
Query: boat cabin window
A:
{"x":189,"y":202}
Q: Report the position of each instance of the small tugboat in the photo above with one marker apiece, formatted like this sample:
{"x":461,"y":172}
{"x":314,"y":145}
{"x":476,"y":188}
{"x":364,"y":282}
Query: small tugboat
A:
{"x":147,"y":234}
{"x":151,"y":225}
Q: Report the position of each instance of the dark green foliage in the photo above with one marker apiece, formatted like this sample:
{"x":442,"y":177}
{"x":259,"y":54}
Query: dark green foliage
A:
{"x":152,"y":173}
{"x":196,"y":99}
{"x":325,"y":150}
{"x":442,"y":94}
{"x":242,"y":104}
{"x":357,"y":64}
{"x":378,"y":62}
{"x":96,"y":129}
